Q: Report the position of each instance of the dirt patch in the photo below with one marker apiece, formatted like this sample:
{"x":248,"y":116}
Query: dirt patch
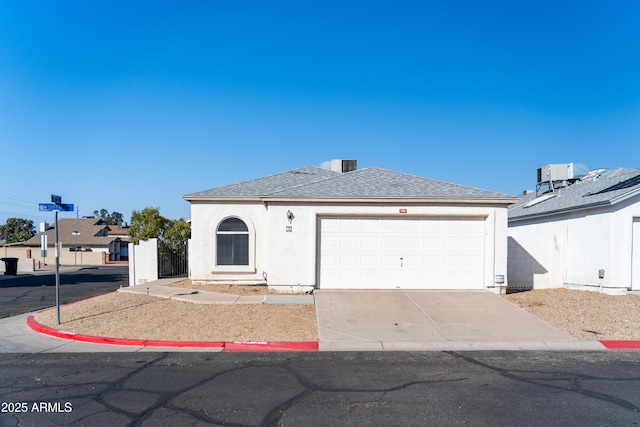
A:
{"x":582,"y":314}
{"x":224,"y":288}
{"x":136,"y":316}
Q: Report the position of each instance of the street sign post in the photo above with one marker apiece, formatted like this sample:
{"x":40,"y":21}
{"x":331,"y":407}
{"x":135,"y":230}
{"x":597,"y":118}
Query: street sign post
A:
{"x":56,"y":206}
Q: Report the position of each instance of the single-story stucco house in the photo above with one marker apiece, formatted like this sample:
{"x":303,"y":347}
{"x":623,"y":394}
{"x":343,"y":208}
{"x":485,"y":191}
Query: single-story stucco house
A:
{"x":84,"y":241}
{"x":578,"y":232}
{"x":339,"y":227}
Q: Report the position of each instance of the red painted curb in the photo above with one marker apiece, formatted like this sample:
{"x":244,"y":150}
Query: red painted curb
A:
{"x":40,"y":328}
{"x":621,"y":344}
{"x":269,"y":346}
{"x":185,"y":344}
{"x":106,"y":340}
{"x":226,"y":346}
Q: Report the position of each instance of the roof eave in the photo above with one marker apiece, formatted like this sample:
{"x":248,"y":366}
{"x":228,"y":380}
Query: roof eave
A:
{"x":609,"y":202}
{"x":560,"y":211}
{"x":406,"y":200}
{"x":222,"y":198}
{"x":625,"y":196}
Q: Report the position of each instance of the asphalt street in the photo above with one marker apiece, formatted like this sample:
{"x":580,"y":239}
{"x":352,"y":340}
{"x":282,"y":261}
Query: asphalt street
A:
{"x":27,"y":293}
{"x":321,"y":389}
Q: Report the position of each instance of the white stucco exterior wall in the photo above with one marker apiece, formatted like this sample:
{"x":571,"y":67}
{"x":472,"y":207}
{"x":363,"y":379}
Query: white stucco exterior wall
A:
{"x":569,"y":249}
{"x":205,"y":218}
{"x":143,"y":262}
{"x":289,"y":258}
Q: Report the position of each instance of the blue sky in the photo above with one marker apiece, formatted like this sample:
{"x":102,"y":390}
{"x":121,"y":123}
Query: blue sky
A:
{"x":127,"y":105}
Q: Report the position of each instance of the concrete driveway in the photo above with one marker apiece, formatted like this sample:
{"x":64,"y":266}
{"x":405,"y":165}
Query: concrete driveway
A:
{"x":432,"y":320}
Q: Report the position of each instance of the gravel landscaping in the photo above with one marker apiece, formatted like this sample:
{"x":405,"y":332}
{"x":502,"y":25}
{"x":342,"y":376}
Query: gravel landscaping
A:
{"x":125,"y":315}
{"x":584,"y":315}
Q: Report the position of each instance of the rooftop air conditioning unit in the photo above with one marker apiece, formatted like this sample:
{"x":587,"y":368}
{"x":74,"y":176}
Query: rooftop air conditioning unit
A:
{"x":561,"y":172}
{"x":339,"y":165}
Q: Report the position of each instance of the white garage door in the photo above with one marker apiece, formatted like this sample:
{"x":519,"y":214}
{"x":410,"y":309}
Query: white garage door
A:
{"x":384,"y":253}
{"x":635,"y":262}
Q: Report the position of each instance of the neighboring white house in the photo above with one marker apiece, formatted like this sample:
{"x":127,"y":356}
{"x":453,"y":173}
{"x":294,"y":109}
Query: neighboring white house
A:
{"x":335,"y":227}
{"x":576,"y":231}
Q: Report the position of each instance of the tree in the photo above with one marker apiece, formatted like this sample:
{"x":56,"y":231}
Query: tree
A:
{"x":147,"y":224}
{"x":176,"y":232}
{"x":17,"y":230}
{"x":113,"y":218}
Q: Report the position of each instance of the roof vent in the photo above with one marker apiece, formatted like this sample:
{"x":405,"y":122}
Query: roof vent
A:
{"x":339,"y":165}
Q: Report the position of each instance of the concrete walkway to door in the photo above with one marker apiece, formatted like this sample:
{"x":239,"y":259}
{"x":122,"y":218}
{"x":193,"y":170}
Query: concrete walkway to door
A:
{"x":406,"y":320}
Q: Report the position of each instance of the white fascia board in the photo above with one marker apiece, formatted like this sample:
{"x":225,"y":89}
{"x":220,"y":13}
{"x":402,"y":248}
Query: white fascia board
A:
{"x":610,"y":202}
{"x":394,"y":200}
{"x":625,"y":196}
{"x":223,"y":199}
{"x":560,"y":211}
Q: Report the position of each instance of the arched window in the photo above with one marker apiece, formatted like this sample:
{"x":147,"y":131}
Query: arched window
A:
{"x":232,"y":242}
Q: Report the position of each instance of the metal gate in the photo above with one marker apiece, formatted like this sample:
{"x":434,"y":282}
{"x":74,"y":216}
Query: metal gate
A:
{"x":173,"y":259}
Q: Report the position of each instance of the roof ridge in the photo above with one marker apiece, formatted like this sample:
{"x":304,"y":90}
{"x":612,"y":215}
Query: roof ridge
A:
{"x":262,"y":178}
{"x":439,"y":181}
{"x":337,"y":175}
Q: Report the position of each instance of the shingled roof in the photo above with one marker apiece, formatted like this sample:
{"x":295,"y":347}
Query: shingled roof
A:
{"x":93,"y":232}
{"x":600,"y":190}
{"x":317,"y":183}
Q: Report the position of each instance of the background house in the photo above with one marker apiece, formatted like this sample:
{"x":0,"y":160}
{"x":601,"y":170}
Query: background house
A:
{"x":94,"y":244}
{"x":575,"y":225}
{"x":341,"y":228}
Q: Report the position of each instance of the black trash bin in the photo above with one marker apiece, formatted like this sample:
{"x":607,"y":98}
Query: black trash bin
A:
{"x":10,"y":266}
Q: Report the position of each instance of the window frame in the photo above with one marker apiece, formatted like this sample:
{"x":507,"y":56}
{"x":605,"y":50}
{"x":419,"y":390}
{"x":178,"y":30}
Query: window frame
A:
{"x":250,"y":233}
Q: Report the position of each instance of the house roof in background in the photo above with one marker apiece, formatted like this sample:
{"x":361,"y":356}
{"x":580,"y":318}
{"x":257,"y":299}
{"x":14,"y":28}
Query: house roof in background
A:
{"x":603,"y":189}
{"x":89,"y":229}
{"x":116,"y":230}
{"x":313,"y":182}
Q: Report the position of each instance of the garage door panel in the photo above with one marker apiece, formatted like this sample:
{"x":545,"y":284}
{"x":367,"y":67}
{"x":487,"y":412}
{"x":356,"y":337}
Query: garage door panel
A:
{"x":388,"y":224}
{"x":349,"y":241}
{"x":449,"y":261}
{"x":411,"y":242}
{"x":349,"y":261}
{"x":432,"y":260}
{"x":370,"y":261}
{"x":369,"y":241}
{"x":472,"y":241}
{"x":391,"y":242}
{"x":410,"y":261}
{"x":330,"y":242}
{"x":389,"y":261}
{"x":366,"y":253}
{"x":431,"y":242}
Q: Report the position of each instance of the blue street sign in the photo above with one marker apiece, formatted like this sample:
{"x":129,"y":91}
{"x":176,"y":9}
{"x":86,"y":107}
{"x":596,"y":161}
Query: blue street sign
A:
{"x":49,"y":207}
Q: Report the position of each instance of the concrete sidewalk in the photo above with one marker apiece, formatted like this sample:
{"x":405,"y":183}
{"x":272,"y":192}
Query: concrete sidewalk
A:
{"x":159,"y":288}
